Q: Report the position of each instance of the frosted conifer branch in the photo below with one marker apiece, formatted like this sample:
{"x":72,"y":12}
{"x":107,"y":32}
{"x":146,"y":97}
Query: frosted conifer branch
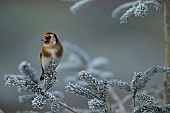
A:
{"x":96,"y":91}
{"x":129,"y":13}
{"x":24,"y":83}
{"x":144,"y":99}
{"x":167,"y":107}
{"x":40,"y":95}
{"x":136,"y":82}
{"x":39,"y":102}
{"x":99,"y":87}
{"x":49,"y":82}
{"x":122,"y":7}
{"x":50,"y":75}
{"x":96,"y":104}
{"x":103,"y":87}
{"x":153,"y":3}
{"x":83,"y":75}
{"x":141,"y":10}
{"x":55,"y":106}
{"x":151,"y":109}
{"x":77,"y":89}
{"x":141,"y":79}
{"x":13,"y":80}
{"x":32,"y":87}
{"x":138,"y":8}
{"x":120,"y":84}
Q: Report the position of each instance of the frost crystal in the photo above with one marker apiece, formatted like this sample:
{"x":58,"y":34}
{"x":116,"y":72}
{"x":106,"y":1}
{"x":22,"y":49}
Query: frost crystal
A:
{"x":136,"y":82}
{"x":96,"y":104}
{"x":14,"y":80}
{"x":87,"y":78}
{"x":124,"y":18}
{"x":141,"y":10}
{"x":151,"y":109}
{"x":144,"y":99}
{"x":76,"y":89}
{"x":55,"y":106}
{"x":39,"y":102}
{"x":120,"y":84}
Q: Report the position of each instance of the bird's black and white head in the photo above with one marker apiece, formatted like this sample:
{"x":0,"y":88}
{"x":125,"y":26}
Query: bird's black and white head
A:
{"x":50,"y":39}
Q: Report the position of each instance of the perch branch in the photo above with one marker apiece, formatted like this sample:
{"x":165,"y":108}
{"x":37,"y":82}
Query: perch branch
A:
{"x":67,"y":107}
{"x":124,"y":100}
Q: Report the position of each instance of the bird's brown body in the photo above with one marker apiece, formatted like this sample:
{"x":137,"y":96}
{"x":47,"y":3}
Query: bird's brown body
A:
{"x":51,"y":49}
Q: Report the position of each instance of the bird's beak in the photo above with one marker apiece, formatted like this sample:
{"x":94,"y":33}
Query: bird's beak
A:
{"x":44,"y":39}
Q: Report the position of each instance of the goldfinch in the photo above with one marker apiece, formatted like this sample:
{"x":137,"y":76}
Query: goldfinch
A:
{"x":52,"y":48}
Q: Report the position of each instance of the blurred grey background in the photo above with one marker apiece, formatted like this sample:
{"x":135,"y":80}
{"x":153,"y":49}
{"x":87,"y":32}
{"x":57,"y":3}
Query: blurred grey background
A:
{"x":131,"y":47}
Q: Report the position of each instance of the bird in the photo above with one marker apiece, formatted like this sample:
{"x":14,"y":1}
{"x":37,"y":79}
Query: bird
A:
{"x":51,"y":49}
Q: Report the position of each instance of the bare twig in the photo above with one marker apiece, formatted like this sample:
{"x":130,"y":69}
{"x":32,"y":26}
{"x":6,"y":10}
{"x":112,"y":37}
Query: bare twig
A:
{"x":124,"y":100}
{"x":134,"y":99}
{"x":67,"y":107}
{"x":118,"y":100}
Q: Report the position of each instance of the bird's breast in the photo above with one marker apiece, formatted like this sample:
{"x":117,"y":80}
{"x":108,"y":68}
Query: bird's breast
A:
{"x":52,"y":52}
{"x":46,"y":59}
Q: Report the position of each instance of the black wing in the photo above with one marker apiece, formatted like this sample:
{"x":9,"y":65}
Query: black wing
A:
{"x":42,"y":75}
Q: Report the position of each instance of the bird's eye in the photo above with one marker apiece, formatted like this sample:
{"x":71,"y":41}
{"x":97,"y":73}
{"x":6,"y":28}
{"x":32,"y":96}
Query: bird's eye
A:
{"x":48,"y":37}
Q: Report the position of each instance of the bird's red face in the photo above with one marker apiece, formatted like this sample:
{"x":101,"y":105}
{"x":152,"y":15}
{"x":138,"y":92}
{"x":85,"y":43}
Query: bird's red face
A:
{"x":47,"y":38}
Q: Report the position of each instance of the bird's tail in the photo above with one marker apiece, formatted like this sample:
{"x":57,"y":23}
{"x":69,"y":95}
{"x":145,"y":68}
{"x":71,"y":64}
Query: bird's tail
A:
{"x":42,"y":77}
